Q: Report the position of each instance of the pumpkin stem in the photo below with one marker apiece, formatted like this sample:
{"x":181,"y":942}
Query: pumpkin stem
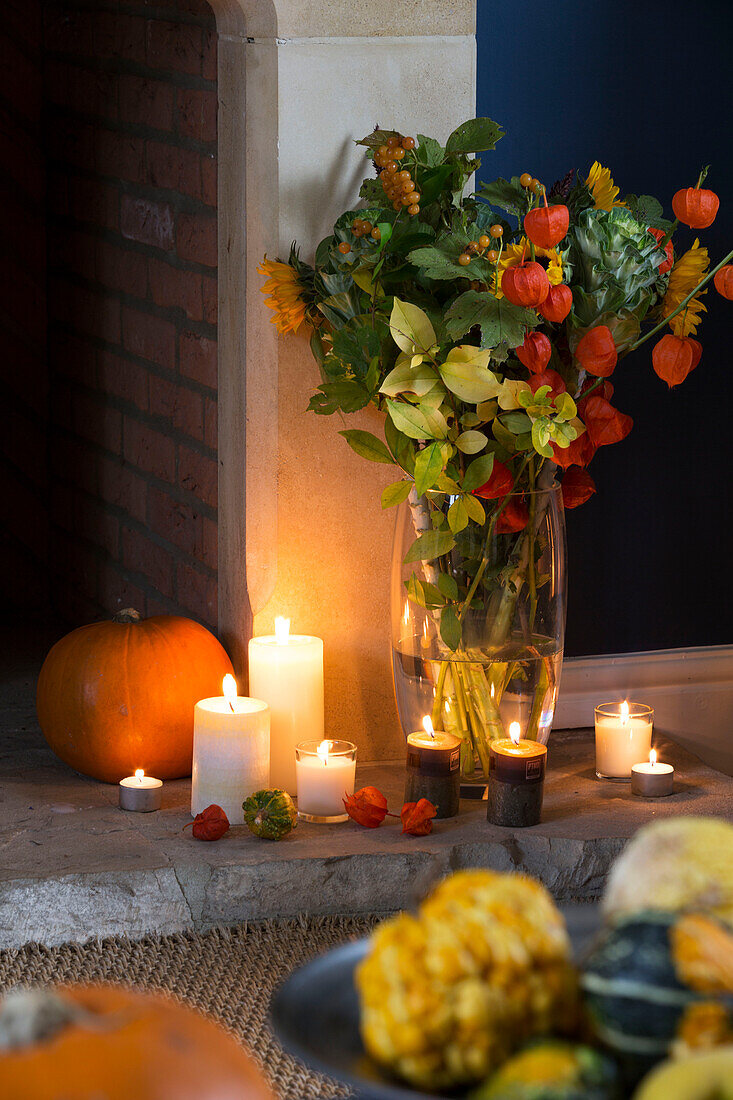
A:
{"x":127,"y":615}
{"x":29,"y":1016}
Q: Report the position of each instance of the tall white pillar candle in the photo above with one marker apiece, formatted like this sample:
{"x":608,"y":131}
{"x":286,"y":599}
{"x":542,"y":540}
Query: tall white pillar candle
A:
{"x":286,"y":670}
{"x":231,"y":752}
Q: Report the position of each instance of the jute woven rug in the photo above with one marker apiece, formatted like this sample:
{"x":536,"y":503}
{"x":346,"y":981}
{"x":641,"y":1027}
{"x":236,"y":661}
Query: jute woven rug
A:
{"x":228,"y":973}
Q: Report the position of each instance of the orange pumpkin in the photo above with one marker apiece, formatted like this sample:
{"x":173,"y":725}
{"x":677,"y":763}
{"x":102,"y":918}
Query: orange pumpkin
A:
{"x":116,"y":696}
{"x":104,"y":1041}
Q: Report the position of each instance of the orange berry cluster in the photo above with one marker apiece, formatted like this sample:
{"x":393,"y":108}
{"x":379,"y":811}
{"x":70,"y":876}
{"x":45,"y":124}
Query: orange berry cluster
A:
{"x":397,"y":184}
{"x":531,"y":183}
{"x":478,"y":248}
{"x":361,"y":228}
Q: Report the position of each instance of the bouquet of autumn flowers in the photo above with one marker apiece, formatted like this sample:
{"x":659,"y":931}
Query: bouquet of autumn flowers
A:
{"x":485,"y":327}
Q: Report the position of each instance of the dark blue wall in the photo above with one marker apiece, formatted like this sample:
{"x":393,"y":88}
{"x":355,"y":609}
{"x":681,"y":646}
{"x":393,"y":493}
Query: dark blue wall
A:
{"x":643,"y":86}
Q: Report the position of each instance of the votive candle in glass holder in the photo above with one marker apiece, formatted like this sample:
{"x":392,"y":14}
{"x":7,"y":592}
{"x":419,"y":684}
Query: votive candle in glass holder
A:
{"x":325,"y":772}
{"x":623,"y":738}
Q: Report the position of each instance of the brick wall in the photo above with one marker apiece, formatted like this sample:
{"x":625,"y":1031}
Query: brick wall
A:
{"x":23,"y":380}
{"x":130,"y":122}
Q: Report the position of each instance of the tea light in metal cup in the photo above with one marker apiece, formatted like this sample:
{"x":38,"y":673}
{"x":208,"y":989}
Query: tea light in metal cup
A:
{"x":433,"y":769}
{"x":141,"y":793}
{"x":516,"y":780}
{"x":652,"y":780}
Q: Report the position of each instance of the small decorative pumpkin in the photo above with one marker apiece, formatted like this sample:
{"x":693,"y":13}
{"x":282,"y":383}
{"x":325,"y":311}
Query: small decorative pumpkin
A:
{"x":535,"y":352}
{"x":116,"y":696}
{"x":557,"y":304}
{"x":645,"y":974}
{"x":525,"y":284}
{"x":270,"y":814}
{"x":547,"y":225}
{"x":111,"y":1042}
{"x":553,"y":1070}
{"x":697,"y":1077}
{"x":723,"y":281}
{"x":696,"y":207}
{"x":596,"y":352}
{"x":673,"y":357}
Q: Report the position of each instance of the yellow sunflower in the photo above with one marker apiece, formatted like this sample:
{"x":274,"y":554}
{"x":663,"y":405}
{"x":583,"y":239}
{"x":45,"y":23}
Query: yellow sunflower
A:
{"x":512,"y":255}
{"x":605,"y":191}
{"x":285,"y":298}
{"x":684,"y":277}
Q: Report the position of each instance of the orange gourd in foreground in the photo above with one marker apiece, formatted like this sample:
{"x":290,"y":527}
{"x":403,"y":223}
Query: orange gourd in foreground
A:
{"x":119,"y":695}
{"x":105,"y":1041}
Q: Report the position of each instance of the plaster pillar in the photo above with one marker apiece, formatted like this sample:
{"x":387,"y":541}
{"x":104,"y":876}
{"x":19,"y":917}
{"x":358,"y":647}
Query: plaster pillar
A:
{"x":305,"y":508}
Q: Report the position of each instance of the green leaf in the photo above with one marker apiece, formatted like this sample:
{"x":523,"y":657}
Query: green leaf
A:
{"x":367,"y":445}
{"x":475,"y":508}
{"x":516,"y":422}
{"x":417,"y":422}
{"x":424,"y":593}
{"x":395,"y":493}
{"x":508,"y":195}
{"x":429,"y":151}
{"x":450,"y":627}
{"x":433,"y":181}
{"x":457,"y":516}
{"x":448,"y":586}
{"x":466,"y":374}
{"x":565,"y":408}
{"x":429,"y":465}
{"x":471,"y":442}
{"x":474,"y":136}
{"x":355,"y":346}
{"x":478,"y":472}
{"x":420,"y":379}
{"x":541,"y":437}
{"x":430,"y":545}
{"x":499,"y":320}
{"x":411,"y":328}
{"x":347,"y":395}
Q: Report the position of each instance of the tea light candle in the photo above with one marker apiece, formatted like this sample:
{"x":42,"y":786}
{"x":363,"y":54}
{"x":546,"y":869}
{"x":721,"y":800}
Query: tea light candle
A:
{"x":652,"y":780}
{"x":286,"y":670}
{"x":231,"y":751}
{"x":516,"y":780}
{"x":325,"y":772}
{"x":623,"y":738}
{"x":433,"y":769}
{"x":141,"y":793}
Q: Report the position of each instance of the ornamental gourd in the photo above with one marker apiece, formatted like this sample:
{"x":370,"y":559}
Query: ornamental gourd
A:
{"x":557,"y":304}
{"x":270,"y":814}
{"x":525,"y":284}
{"x":111,"y":1042}
{"x":553,"y":1070}
{"x":723,"y":281}
{"x":547,"y":225}
{"x":116,"y":696}
{"x":596,"y":352}
{"x":673,"y":357}
{"x":696,"y":207}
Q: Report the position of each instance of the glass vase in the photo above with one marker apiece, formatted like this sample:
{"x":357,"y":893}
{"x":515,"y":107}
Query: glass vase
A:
{"x":478,"y":632}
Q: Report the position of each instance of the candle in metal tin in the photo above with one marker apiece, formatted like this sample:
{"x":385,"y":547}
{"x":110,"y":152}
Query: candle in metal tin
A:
{"x":516,"y":780}
{"x":140,"y":793}
{"x":652,"y":780}
{"x":433,"y":769}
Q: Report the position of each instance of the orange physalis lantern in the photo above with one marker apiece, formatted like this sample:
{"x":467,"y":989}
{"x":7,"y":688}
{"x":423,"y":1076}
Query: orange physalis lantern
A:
{"x":579,"y":453}
{"x":604,"y":424}
{"x":547,"y":225}
{"x":367,"y":807}
{"x":513,"y":517}
{"x":577,"y":487}
{"x":499,"y":484}
{"x":674,"y":357}
{"x":549,"y":378}
{"x":525,"y":284}
{"x":557,"y":304}
{"x":535,"y":352}
{"x":696,"y":207}
{"x":667,"y":263}
{"x":596,"y":352}
{"x":724,"y":281}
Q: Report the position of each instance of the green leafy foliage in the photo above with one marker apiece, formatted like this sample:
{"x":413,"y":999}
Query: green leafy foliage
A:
{"x":429,"y":465}
{"x":450,"y":627}
{"x":423,"y":593}
{"x":395,"y":493}
{"x":499,"y":320}
{"x":508,"y":195}
{"x":367,"y":445}
{"x":478,"y":473}
{"x":430,"y":545}
{"x":475,"y":136}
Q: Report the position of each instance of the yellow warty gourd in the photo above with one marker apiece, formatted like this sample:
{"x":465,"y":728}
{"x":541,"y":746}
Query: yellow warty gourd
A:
{"x":447,"y":995}
{"x":677,"y":865}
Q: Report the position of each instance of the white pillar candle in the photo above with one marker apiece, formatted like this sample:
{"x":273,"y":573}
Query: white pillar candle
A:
{"x":623,"y":738}
{"x":325,"y":775}
{"x":286,"y":670}
{"x":231,"y":751}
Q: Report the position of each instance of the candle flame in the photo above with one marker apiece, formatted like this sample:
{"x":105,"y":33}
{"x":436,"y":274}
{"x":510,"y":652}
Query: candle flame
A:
{"x":653,"y":757}
{"x":322,"y":751}
{"x":282,"y":630}
{"x":229,"y":690}
{"x":139,"y":774}
{"x":624,"y":712}
{"x":515,"y":732}
{"x":427,"y":725}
